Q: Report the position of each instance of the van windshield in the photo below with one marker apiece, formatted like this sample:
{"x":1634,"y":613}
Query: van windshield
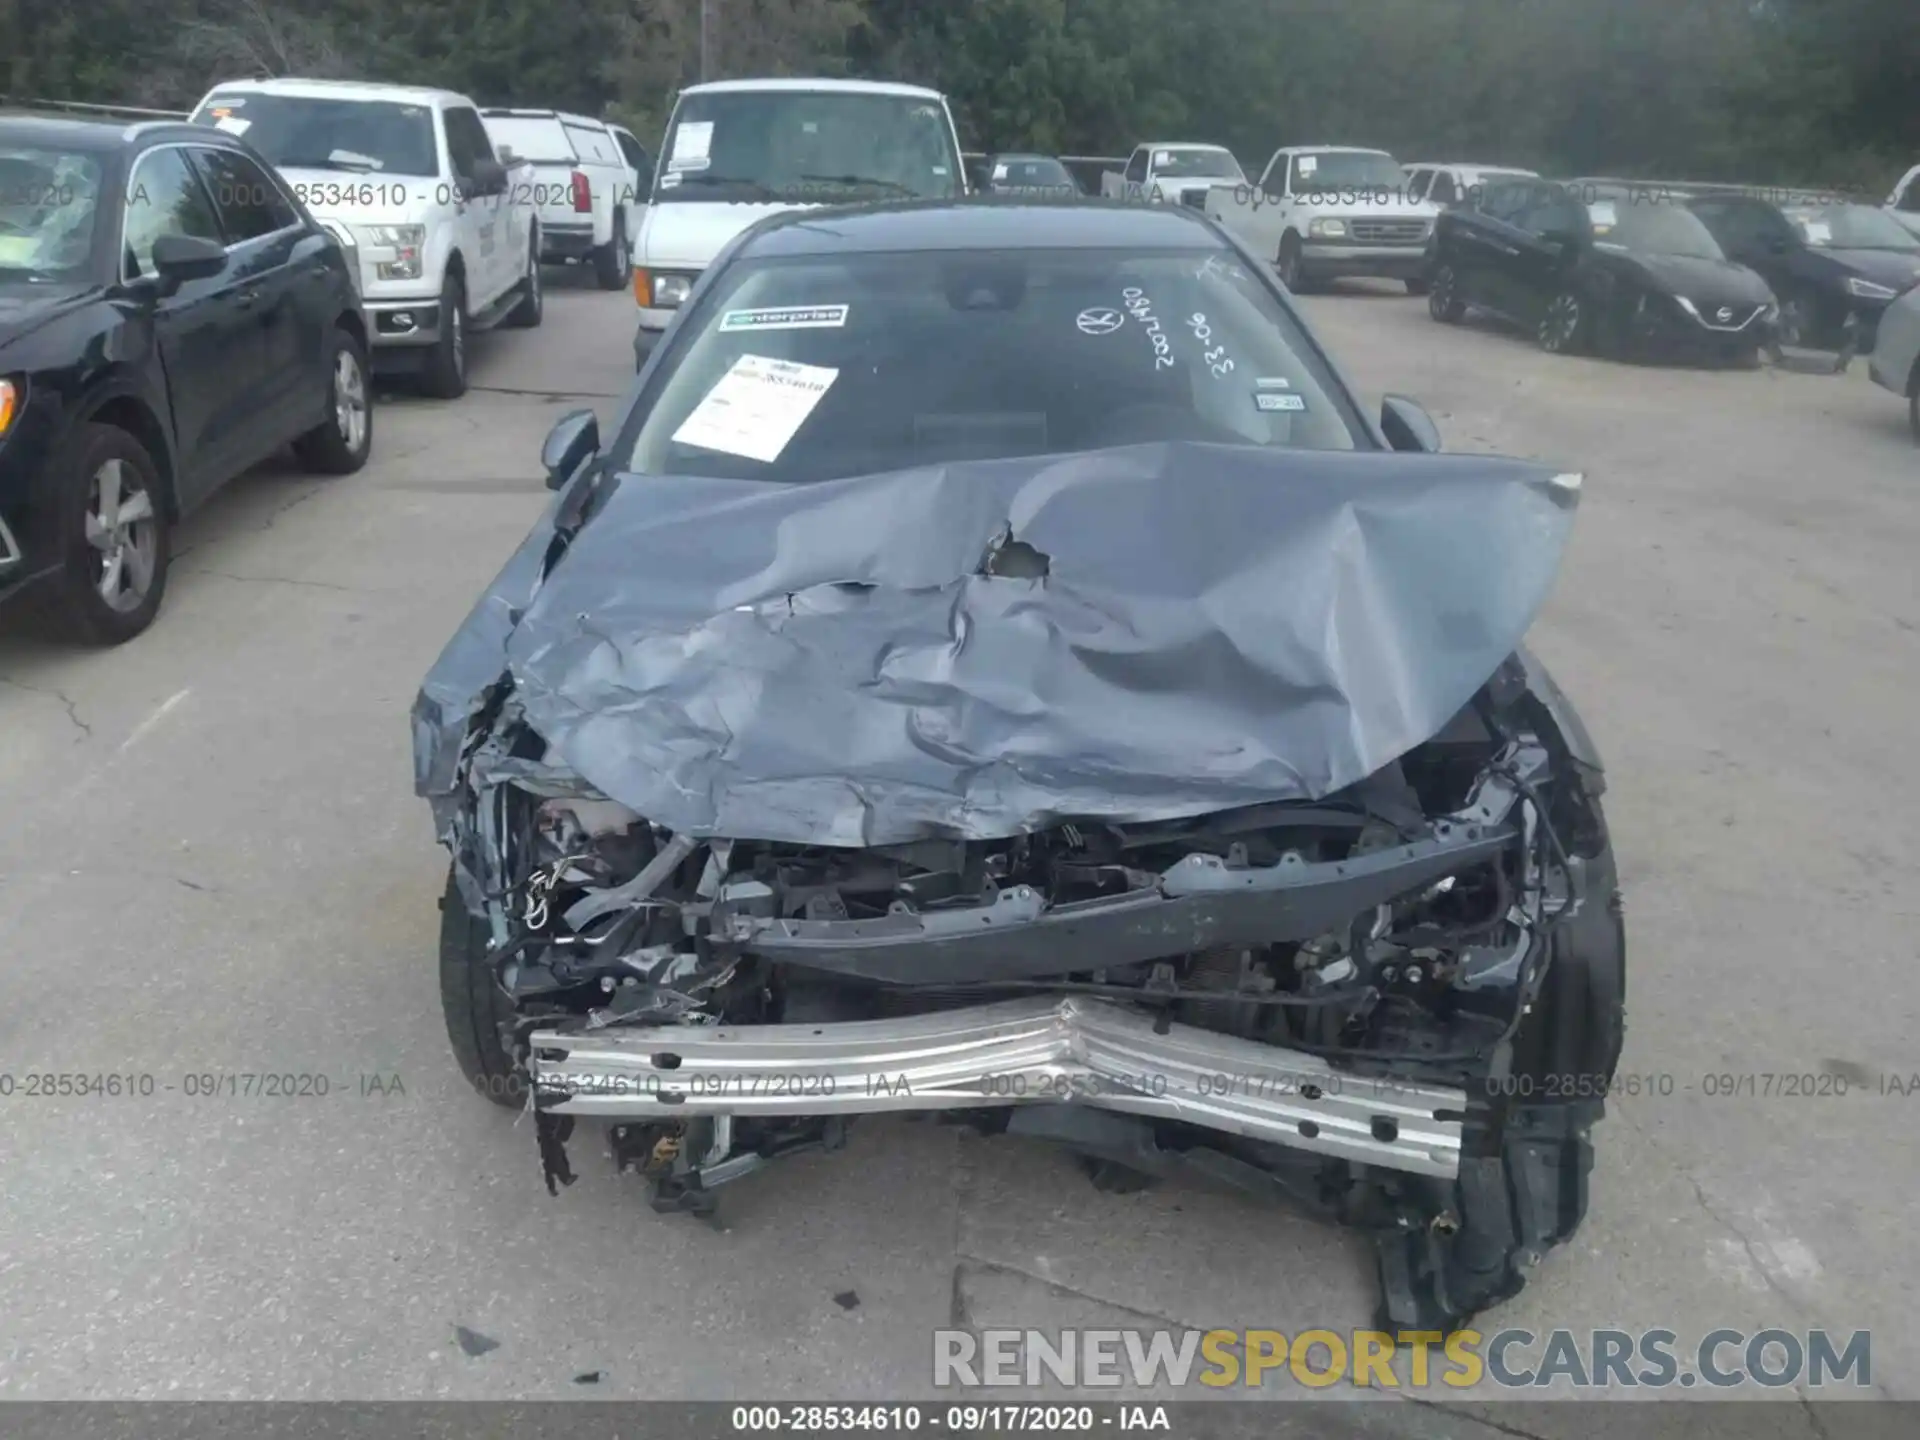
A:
{"x":808,"y":147}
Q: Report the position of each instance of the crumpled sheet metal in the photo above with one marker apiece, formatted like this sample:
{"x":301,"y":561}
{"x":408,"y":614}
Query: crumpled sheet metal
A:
{"x":825,"y":663}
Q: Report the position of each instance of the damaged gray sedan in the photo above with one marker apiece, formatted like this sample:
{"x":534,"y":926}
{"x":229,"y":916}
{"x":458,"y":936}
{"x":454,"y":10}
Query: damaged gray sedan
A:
{"x":997,"y":671}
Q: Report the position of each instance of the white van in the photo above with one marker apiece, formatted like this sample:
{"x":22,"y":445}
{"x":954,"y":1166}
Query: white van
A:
{"x":738,"y":150}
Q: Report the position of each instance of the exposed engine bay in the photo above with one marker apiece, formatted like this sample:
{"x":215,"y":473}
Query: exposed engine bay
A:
{"x":1337,"y":1002}
{"x":1233,"y":832}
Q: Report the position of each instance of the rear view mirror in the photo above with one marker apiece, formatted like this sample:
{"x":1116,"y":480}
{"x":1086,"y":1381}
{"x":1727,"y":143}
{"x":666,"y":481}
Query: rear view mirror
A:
{"x":575,"y":437}
{"x":1407,"y":426}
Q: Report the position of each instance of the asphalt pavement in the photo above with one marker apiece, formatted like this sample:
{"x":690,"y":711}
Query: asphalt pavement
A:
{"x":212,"y":865}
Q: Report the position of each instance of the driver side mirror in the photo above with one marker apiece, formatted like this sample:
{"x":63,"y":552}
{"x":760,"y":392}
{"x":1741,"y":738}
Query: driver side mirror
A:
{"x":180,"y":258}
{"x":575,"y":437}
{"x":1407,"y":426}
{"x":489,"y":177}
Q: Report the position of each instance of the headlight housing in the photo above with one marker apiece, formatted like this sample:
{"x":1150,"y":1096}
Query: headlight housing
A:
{"x":406,"y":241}
{"x":661,"y":290}
{"x":1867,"y":290}
{"x":1327,"y":229}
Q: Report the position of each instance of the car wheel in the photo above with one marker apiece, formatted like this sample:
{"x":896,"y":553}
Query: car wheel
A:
{"x":532,"y":308}
{"x":613,"y":262}
{"x":1443,"y":297}
{"x":1563,"y":329}
{"x":1287,"y":264}
{"x":340,"y":444}
{"x":114,"y":516}
{"x":1796,"y":322}
{"x":474,"y":1006}
{"x":445,"y":377}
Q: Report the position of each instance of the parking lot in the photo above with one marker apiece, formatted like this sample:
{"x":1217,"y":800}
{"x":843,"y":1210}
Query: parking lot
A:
{"x":213,"y":864}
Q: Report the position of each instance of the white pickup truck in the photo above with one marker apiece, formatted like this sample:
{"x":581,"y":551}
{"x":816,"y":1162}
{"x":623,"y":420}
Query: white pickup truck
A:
{"x":1173,"y":175}
{"x":1904,"y":203}
{"x":739,"y":150}
{"x":590,"y":181}
{"x":446,"y":231}
{"x":1323,"y":211}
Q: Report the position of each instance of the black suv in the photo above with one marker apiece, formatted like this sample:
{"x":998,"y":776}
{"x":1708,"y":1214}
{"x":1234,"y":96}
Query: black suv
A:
{"x":1627,"y":271}
{"x":169,"y":317}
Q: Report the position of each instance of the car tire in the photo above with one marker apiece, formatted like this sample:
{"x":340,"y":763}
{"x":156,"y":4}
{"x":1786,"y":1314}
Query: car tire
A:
{"x":76,"y":606}
{"x":1443,"y":297}
{"x":1287,"y":265}
{"x":1566,"y":328}
{"x":445,"y":375}
{"x":474,"y":1006}
{"x":340,"y":444}
{"x":613,"y":262}
{"x":532,"y":308}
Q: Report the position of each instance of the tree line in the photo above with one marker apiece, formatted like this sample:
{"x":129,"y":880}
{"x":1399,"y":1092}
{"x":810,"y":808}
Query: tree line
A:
{"x":1804,"y":92}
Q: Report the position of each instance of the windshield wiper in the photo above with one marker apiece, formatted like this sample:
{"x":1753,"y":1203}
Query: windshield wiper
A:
{"x":890,"y":185}
{"x":706,"y":177}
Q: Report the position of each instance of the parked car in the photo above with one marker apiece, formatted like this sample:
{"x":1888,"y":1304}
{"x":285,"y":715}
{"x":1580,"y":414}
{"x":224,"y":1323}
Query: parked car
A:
{"x":446,"y":232}
{"x":1451,"y":183}
{"x":1177,"y":174}
{"x":1326,"y":211}
{"x":1903,"y":203}
{"x":738,"y":151}
{"x":1029,"y":175}
{"x":1627,"y":273}
{"x":169,"y":317}
{"x":758,"y":824}
{"x":586,"y":189}
{"x":1833,"y":267}
{"x":1895,"y":360}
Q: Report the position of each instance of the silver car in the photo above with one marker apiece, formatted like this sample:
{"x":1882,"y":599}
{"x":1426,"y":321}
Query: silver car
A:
{"x":1895,"y":363}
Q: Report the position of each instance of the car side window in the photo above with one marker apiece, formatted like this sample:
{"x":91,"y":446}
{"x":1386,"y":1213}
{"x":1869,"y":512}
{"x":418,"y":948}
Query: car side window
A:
{"x":1505,"y":202}
{"x":164,"y":197}
{"x":248,"y":201}
{"x":1274,"y":182}
{"x":1417,"y":184}
{"x":1137,"y":168}
{"x":1548,"y":214}
{"x":636,"y":154}
{"x":1443,"y":191}
{"x":467,"y":141}
{"x":1910,"y":198}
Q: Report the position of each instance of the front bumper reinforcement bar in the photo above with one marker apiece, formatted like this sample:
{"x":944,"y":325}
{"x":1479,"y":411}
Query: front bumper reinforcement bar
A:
{"x":1044,"y":1050}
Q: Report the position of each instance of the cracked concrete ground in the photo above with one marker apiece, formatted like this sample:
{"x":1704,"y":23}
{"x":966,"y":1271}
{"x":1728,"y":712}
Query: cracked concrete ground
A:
{"x":212,"y":864}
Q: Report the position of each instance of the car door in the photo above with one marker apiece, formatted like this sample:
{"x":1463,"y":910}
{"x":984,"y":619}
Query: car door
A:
{"x":1464,"y":245}
{"x":277,"y":260}
{"x":481,"y":212}
{"x":1136,"y":177}
{"x":641,"y":164}
{"x":204,"y":332}
{"x":1497,"y":252}
{"x":1547,"y":235}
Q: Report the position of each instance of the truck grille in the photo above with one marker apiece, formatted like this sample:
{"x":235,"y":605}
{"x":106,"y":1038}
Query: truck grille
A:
{"x":1388,"y":232}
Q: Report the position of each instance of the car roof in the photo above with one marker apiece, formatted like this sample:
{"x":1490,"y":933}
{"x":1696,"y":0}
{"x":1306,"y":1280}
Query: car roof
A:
{"x":1181,"y":145}
{"x":1333,"y":150}
{"x":1024,"y":155}
{"x":341,"y":90}
{"x":849,"y":87}
{"x":513,"y":112}
{"x":61,"y":132}
{"x":981,"y":224}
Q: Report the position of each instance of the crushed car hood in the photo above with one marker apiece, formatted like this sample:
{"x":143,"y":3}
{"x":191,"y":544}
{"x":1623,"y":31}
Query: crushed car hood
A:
{"x":827,"y":663}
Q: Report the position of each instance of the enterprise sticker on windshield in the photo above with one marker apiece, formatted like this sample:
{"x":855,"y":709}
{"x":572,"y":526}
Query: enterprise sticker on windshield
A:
{"x":787,"y":317}
{"x":756,"y":408}
{"x":1276,"y":400}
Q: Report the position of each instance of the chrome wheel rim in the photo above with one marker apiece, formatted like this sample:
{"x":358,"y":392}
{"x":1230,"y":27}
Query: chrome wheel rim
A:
{"x":122,"y":530}
{"x":349,"y":400}
{"x":1562,"y":323}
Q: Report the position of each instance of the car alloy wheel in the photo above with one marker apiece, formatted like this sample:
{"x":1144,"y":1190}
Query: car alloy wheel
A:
{"x":1441,"y":304}
{"x":349,"y":400}
{"x":120,"y":528}
{"x":1793,"y":322}
{"x":1560,"y":327}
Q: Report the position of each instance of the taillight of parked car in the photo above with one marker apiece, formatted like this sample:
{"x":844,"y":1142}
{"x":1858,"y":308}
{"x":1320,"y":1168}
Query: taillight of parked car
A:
{"x":582,"y":193}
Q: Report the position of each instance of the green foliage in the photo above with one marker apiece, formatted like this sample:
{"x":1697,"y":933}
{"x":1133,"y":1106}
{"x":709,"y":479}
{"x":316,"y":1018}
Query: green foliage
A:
{"x":1808,"y":91}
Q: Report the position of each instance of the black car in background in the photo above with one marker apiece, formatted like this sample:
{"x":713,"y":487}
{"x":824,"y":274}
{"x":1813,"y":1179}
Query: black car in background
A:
{"x":1030,"y":175}
{"x":1629,"y":272}
{"x":1829,"y":264}
{"x":169,"y":317}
